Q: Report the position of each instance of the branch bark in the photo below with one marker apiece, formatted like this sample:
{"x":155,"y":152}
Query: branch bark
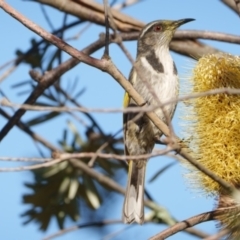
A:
{"x":180,"y":226}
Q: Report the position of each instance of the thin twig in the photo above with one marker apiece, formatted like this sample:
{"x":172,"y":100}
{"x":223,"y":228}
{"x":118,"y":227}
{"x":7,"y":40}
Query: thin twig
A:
{"x":48,"y":163}
{"x":106,"y":9}
{"x":7,"y":73}
{"x":19,"y":159}
{"x":66,"y":156}
{"x":102,"y":147}
{"x":127,"y":53}
{"x":7,"y":63}
{"x":75,"y":37}
{"x":231,"y":91}
{"x":4,"y":102}
{"x":144,"y":109}
{"x":198,"y":34}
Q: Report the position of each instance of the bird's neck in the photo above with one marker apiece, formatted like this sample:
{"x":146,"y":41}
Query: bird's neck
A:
{"x":159,"y":59}
{"x":165,"y":57}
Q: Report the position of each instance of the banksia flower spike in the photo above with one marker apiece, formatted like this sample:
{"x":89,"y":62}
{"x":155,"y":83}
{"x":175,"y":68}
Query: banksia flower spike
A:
{"x":214,"y":127}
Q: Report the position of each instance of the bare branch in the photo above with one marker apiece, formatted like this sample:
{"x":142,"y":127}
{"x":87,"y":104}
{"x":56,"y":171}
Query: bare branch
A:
{"x":143,"y":109}
{"x":190,"y":222}
{"x":127,"y":53}
{"x":217,"y":36}
{"x":17,"y":159}
{"x":48,"y":163}
{"x":66,"y":156}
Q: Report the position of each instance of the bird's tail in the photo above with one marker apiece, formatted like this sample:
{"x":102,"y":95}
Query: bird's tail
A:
{"x":133,"y":208}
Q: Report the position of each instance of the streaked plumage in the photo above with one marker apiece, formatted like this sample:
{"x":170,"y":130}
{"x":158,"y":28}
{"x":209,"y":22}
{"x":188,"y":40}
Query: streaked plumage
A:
{"x":155,"y":66}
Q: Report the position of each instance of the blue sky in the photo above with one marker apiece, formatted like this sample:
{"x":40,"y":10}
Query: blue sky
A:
{"x":170,"y":190}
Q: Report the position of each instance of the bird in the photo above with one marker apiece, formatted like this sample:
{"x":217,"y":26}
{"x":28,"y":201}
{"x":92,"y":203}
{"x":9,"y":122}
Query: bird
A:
{"x":154,"y":76}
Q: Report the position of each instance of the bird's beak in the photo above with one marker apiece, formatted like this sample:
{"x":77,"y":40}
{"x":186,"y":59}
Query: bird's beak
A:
{"x":180,"y":22}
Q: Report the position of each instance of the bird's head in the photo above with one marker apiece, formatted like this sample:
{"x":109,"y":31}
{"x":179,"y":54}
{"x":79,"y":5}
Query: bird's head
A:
{"x":158,"y":33}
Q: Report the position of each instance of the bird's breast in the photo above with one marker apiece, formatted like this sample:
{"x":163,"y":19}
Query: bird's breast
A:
{"x":151,"y":83}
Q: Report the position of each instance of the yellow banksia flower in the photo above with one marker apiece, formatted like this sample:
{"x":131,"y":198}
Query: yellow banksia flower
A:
{"x":214,"y":127}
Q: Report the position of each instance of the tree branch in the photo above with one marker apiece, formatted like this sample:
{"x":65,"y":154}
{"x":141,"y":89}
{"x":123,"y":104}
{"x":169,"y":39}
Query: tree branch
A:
{"x":94,"y":12}
{"x":104,"y":65}
{"x":180,"y":226}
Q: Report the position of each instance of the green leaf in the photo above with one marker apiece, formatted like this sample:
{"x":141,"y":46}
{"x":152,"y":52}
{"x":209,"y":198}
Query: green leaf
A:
{"x":74,"y":184}
{"x":42,"y":118}
{"x":76,"y":134}
{"x":92,"y":195}
{"x":64,"y":185}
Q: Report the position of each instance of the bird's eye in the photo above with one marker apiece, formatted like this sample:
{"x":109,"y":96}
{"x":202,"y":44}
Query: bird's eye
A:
{"x":157,"y":28}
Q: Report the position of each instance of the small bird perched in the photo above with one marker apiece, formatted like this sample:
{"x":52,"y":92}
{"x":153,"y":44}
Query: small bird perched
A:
{"x":154,"y":70}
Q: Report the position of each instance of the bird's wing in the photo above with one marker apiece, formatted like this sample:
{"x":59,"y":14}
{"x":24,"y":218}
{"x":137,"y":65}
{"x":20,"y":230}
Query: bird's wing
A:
{"x":126,"y":102}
